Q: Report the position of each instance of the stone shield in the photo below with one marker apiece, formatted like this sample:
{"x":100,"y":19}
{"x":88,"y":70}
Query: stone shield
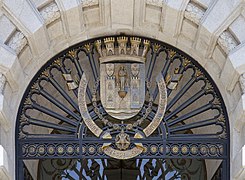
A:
{"x":122,"y":88}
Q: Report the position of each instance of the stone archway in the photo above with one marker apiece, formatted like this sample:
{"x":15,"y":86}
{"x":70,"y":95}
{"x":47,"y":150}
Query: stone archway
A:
{"x":81,"y":104}
{"x":36,"y":31}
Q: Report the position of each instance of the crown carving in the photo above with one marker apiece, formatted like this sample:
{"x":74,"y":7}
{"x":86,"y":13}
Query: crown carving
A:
{"x":122,"y":48}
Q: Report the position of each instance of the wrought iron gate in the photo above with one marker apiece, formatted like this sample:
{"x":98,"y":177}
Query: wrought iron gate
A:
{"x":122,"y":97}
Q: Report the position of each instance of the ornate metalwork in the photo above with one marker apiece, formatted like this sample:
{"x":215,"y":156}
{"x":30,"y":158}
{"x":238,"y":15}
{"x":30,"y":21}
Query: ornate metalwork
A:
{"x":156,"y":149}
{"x":70,"y":108}
{"x":112,"y":168}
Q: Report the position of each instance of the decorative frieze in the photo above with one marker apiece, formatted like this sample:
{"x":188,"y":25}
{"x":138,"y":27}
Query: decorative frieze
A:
{"x":50,"y":13}
{"x":17,"y":42}
{"x":169,"y":149}
{"x":242,"y":82}
{"x":227,"y":42}
{"x":194,"y":13}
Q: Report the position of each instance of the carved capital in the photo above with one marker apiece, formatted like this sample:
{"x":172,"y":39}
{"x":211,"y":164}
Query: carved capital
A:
{"x":50,"y":13}
{"x":227,"y":41}
{"x":194,"y":13}
{"x":17,"y":42}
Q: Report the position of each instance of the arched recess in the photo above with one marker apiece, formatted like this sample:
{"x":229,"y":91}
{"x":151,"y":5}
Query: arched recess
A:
{"x":62,"y":115}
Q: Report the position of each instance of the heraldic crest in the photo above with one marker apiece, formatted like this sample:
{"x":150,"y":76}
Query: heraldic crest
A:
{"x":119,"y":94}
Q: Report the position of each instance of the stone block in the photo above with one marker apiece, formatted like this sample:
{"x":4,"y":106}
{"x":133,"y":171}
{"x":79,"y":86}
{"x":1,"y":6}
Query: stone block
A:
{"x":4,"y":174}
{"x":17,"y":41}
{"x":213,"y":69}
{"x":23,"y":10}
{"x":176,"y":4}
{"x":73,"y":21}
{"x":189,"y":29}
{"x":40,"y":3}
{"x":39,"y":42}
{"x":239,"y":120}
{"x":172,"y":19}
{"x":50,"y":13}
{"x":217,"y":15}
{"x":69,"y":4}
{"x":4,"y":114}
{"x":227,"y":41}
{"x":237,"y":59}
{"x":91,"y":16}
{"x":25,"y":57}
{"x":153,"y":14}
{"x":10,"y":67}
{"x":122,"y":12}
{"x":238,"y":164}
{"x":184,"y":43}
{"x":238,"y":28}
{"x":194,"y":12}
{"x":229,"y":76}
{"x":55,"y":30}
{"x":203,"y":3}
{"x":6,"y":28}
{"x":219,"y":56}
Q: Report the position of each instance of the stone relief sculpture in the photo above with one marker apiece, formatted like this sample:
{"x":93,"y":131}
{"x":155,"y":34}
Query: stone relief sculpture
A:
{"x":242,"y":82}
{"x":227,"y":41}
{"x":50,"y":13}
{"x":17,"y":42}
{"x":194,"y":13}
{"x":122,"y":79}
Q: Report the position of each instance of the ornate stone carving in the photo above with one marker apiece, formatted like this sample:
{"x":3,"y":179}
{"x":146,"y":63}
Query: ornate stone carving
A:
{"x":110,"y":85}
{"x":98,"y":47}
{"x":108,"y":51}
{"x":50,"y":13}
{"x":122,"y":88}
{"x":135,"y":44}
{"x":227,"y":41}
{"x":17,"y":42}
{"x":194,"y":13}
{"x":87,"y":3}
{"x":122,"y":45}
{"x":146,"y":47}
{"x":2,"y":82}
{"x":122,"y":141}
{"x":122,"y":75}
{"x":242,"y":82}
{"x":109,"y":44}
{"x":122,"y":81}
{"x":122,"y":93}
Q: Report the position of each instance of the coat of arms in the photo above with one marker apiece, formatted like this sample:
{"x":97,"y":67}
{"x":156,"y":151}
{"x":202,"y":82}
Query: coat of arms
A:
{"x":122,"y":79}
{"x":122,"y":90}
